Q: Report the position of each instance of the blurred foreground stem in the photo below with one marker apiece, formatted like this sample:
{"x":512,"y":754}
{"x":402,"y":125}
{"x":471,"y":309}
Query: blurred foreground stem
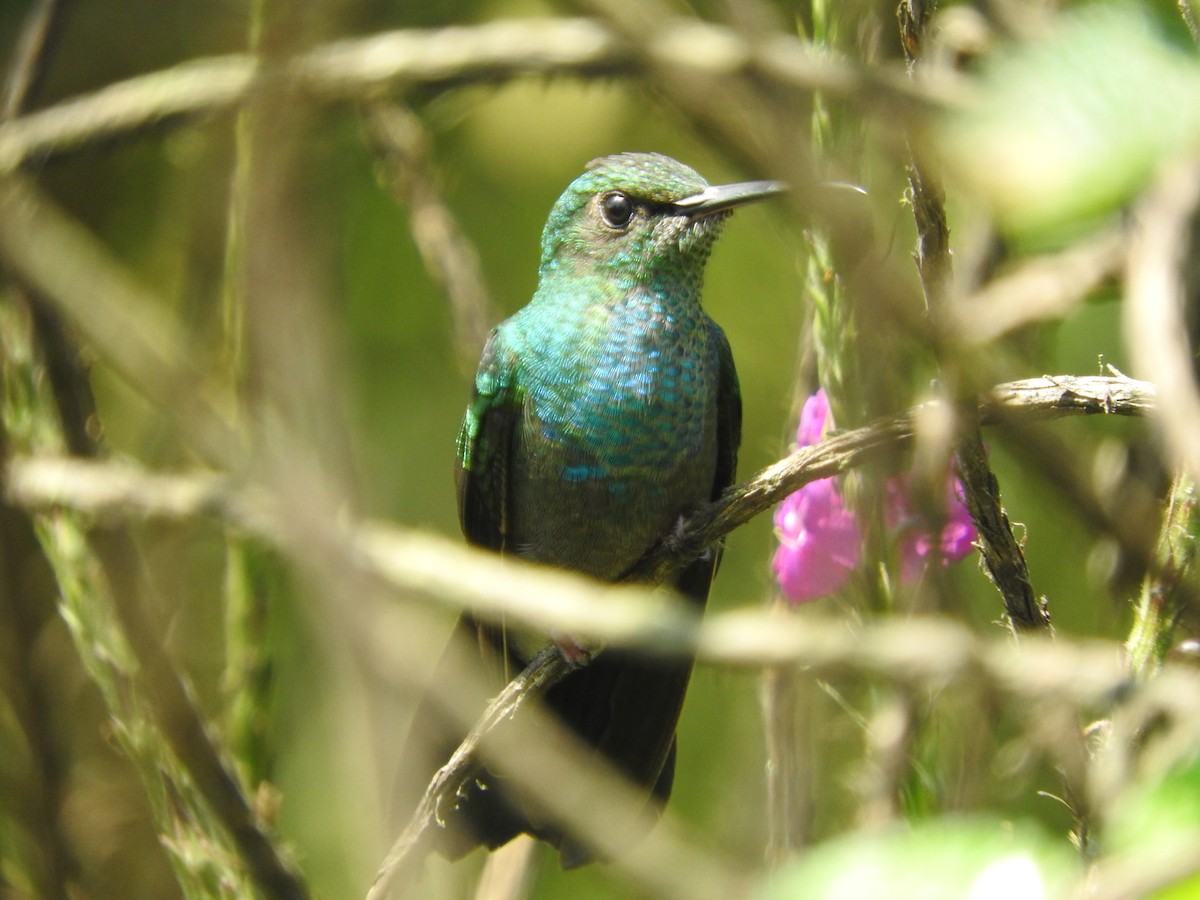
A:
{"x":1161,"y":602}
{"x":193,"y":842}
{"x":249,"y":575}
{"x":214,"y":840}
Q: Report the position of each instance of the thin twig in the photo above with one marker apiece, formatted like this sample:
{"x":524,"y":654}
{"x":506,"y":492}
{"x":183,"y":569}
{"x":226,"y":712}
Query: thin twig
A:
{"x":75,"y":272}
{"x":449,"y":256}
{"x":916,"y":652}
{"x":174,"y":710}
{"x":50,"y":862}
{"x":107,"y":489}
{"x":1040,"y":289}
{"x":1163,"y":282}
{"x":249,"y":576}
{"x":543,"y":672}
{"x":1155,"y":329}
{"x":911,"y":651}
{"x":1003,"y":559}
{"x":67,"y":372}
{"x":1187,"y":12}
{"x":743,"y":638}
{"x":788,"y":800}
{"x":929,"y":653}
{"x":183,"y":726}
{"x":29,"y":57}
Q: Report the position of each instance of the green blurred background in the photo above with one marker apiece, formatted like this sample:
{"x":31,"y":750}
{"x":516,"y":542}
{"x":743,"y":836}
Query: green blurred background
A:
{"x":502,"y":154}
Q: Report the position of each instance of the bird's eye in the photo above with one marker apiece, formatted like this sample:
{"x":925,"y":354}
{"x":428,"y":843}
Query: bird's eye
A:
{"x":617,"y":209}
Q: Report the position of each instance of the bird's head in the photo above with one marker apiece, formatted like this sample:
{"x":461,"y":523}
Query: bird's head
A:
{"x":640,"y":215}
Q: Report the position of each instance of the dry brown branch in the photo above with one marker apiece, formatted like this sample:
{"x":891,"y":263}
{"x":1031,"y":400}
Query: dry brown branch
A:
{"x":1002,"y":557}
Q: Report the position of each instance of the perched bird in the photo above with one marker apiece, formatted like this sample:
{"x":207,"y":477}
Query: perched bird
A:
{"x":604,"y":411}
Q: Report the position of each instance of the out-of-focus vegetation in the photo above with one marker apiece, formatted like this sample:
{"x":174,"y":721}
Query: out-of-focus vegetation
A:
{"x":240,"y":279}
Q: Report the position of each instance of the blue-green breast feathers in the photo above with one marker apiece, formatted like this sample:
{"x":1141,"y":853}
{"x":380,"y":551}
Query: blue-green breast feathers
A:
{"x":610,"y":401}
{"x":587,"y":441}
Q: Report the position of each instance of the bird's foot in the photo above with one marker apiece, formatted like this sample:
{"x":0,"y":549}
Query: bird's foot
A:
{"x":571,"y":650}
{"x":677,"y":541}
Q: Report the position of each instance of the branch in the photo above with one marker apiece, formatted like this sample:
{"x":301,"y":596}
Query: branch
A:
{"x":1002,"y":557}
{"x":37,"y":793}
{"x":126,"y":326}
{"x":184,"y":727}
{"x":922,"y":653}
{"x":521,"y":593}
{"x":100,"y":568}
{"x":543,"y":672}
{"x":442,"y":58}
{"x":451,"y":259}
{"x":28,"y":64}
{"x":1039,"y":289}
{"x":72,"y":269}
{"x":1028,"y":400}
{"x":1154,"y":326}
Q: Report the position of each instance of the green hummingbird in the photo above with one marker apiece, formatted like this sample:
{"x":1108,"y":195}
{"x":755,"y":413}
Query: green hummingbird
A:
{"x":604,"y":411}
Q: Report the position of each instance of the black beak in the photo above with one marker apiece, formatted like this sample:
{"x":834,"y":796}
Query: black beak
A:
{"x":718,"y":197}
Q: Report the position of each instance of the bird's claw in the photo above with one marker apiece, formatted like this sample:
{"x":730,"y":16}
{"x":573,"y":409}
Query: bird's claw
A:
{"x":572,"y":651}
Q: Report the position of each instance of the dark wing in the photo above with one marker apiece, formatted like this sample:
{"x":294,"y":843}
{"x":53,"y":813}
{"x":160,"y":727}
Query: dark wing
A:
{"x":487,"y":443}
{"x":695,"y":580}
{"x":729,"y":417}
{"x":485,"y":446}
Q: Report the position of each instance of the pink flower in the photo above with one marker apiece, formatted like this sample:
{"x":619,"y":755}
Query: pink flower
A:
{"x":820,"y":544}
{"x":918,"y":548}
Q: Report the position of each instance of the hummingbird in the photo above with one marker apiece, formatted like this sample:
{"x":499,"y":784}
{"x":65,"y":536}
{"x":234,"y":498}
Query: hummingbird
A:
{"x":603,"y":412}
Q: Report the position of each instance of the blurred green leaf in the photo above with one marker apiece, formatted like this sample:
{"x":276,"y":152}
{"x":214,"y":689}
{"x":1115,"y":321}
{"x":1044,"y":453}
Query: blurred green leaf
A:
{"x":947,"y":859}
{"x":1158,"y":812}
{"x":1066,"y":128}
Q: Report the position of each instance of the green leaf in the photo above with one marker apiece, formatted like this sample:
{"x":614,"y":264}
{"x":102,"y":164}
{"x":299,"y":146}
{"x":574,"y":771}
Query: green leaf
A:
{"x":946,"y":859}
{"x":1158,"y":813}
{"x":1064,"y":129}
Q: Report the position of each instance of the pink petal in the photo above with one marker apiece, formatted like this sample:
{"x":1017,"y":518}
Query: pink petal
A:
{"x":918,"y":547}
{"x":814,"y":420}
{"x":819,"y":543}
